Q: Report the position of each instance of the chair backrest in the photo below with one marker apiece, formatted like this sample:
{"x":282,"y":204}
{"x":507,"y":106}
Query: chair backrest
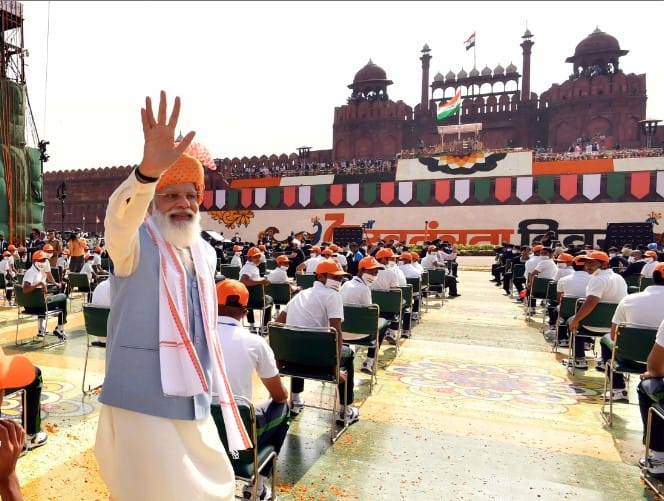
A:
{"x":280,"y":293}
{"x":77,"y":280}
{"x":308,"y":352}
{"x":388,"y":301}
{"x":256,"y":295}
{"x":34,"y":299}
{"x":56,"y":274}
{"x":632,"y":280}
{"x":425,"y":279}
{"x":270,"y":263}
{"x":552,"y":290}
{"x":634,"y":342}
{"x":305,"y":280}
{"x":229,"y":271}
{"x":96,"y":319}
{"x":416,"y":282}
{"x":248,"y":416}
{"x":600,"y":316}
{"x":518,"y":270}
{"x":105,"y":263}
{"x":360,"y":318}
{"x":538,"y":289}
{"x":407,"y":294}
{"x":3,"y":284}
{"x":261,"y":269}
{"x":645,"y":282}
{"x":568,"y":306}
{"x":437,"y":276}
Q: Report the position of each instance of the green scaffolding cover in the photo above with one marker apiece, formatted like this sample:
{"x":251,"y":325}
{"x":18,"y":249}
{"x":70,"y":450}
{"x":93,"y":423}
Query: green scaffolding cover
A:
{"x":21,"y":177}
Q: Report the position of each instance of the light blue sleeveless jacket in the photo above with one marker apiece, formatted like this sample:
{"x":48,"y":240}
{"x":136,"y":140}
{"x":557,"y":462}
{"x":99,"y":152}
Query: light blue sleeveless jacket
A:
{"x":133,"y":377}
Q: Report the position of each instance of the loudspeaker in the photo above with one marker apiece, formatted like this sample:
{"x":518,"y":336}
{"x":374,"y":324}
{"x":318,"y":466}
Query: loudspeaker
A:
{"x":342,"y":235}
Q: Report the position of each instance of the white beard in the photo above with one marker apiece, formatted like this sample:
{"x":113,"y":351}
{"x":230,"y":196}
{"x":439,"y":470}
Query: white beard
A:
{"x":181,"y":233}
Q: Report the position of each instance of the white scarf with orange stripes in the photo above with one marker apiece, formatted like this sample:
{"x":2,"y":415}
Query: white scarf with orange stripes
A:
{"x":181,"y":372}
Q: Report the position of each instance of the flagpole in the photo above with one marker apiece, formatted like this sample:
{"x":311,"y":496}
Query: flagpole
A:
{"x":474,"y":53}
{"x":459,"y":129}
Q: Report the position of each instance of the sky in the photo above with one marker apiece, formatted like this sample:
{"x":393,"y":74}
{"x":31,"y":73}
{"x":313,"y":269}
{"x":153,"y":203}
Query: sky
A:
{"x":265,"y":77}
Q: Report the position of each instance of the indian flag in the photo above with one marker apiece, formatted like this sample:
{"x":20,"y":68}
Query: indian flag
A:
{"x":470,"y":42}
{"x":449,"y":108}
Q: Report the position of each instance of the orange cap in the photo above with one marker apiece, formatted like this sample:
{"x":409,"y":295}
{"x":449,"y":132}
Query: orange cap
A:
{"x":11,"y":248}
{"x":254,"y":251}
{"x":651,"y":253}
{"x":334,"y":247}
{"x":38,"y":255}
{"x":6,"y":253}
{"x":232,"y":293}
{"x":432,"y":248}
{"x":186,"y":169}
{"x":659,"y":267}
{"x":415,"y":256}
{"x":385,"y":253}
{"x":315,"y":248}
{"x":369,"y":263}
{"x":261,"y":247}
{"x":330,"y":267}
{"x":237,"y":248}
{"x":537,"y":248}
{"x":99,"y":250}
{"x":405,"y":256}
{"x":327,"y":252}
{"x":282,"y":259}
{"x":564,"y":257}
{"x":595,"y":256}
{"x":47,"y":248}
{"x":16,"y":371}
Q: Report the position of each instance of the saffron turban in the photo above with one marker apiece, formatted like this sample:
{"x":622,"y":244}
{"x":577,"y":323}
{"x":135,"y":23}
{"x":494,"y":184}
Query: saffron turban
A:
{"x":186,"y":169}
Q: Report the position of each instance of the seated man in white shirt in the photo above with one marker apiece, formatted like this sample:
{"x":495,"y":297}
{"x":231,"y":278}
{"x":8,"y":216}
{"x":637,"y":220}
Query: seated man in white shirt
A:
{"x":35,"y":279}
{"x":245,"y":353}
{"x":309,"y":266}
{"x":357,"y":291}
{"x":545,"y":268}
{"x":279,"y":275}
{"x":236,"y":260}
{"x":251,"y":275}
{"x":650,"y":258}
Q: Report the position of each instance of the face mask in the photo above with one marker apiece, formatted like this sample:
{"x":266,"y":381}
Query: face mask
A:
{"x":238,"y":254}
{"x":391,"y":264}
{"x":332,"y":284}
{"x":514,"y":251}
{"x":285,"y":268}
{"x":48,"y":255}
{"x":41,"y":266}
{"x":314,"y":255}
{"x":612,"y":254}
{"x":631,"y":259}
{"x":368,"y":279}
{"x":648,"y":260}
{"x":562,"y":266}
{"x":544,"y":258}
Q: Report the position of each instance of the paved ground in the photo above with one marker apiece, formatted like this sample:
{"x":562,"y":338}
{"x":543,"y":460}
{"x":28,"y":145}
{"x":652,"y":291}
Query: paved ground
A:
{"x":476,"y":406}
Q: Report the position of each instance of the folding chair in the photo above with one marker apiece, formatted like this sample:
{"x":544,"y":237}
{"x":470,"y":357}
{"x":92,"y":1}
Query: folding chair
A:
{"x":600,"y":317}
{"x":537,"y":291}
{"x":424,"y":289}
{"x":79,"y":282}
{"x":437,"y":283}
{"x":629,"y":355}
{"x":34,"y":301}
{"x":566,"y":310}
{"x":310,"y":353}
{"x":644,"y":282}
{"x":280,"y":293}
{"x":632,"y":282}
{"x":258,"y":300}
{"x":654,"y":484}
{"x":518,"y":271}
{"x":96,"y":320}
{"x":550,"y":297}
{"x":391,"y":307}
{"x":229,"y":271}
{"x":249,"y":462}
{"x":407,"y":305}
{"x":305,"y":280}
{"x":361,"y":327}
{"x":416,"y":283}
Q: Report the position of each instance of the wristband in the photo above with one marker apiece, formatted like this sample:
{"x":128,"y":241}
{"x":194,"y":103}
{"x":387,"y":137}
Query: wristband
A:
{"x":145,"y":179}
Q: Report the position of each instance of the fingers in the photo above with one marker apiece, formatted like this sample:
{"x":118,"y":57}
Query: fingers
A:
{"x":161,"y":117}
{"x":148,"y":112}
{"x":175,"y":114}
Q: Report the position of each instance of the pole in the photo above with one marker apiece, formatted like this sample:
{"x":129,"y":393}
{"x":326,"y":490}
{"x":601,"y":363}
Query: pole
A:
{"x":474,"y":53}
{"x":426,"y":230}
{"x":83,"y":227}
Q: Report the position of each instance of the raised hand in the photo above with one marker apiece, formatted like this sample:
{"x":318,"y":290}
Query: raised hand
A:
{"x":160,"y":150}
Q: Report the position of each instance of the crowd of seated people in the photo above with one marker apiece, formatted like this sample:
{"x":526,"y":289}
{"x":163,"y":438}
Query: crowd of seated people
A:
{"x":630,"y":279}
{"x":306,"y":168}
